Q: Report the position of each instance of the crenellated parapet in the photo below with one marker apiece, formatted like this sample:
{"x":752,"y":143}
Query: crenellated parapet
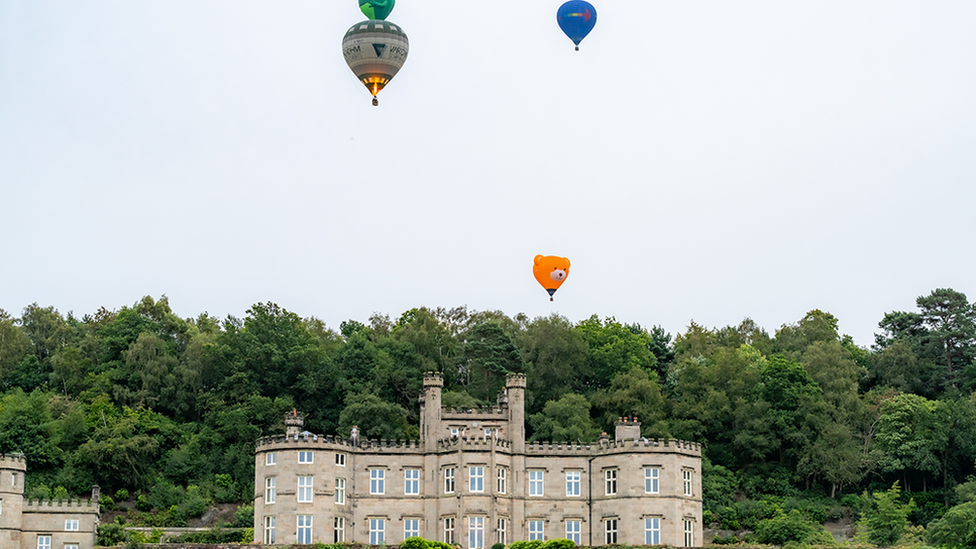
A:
{"x":490,"y":412}
{"x":433,"y":379}
{"x":13,"y":461}
{"x":54,"y":505}
{"x":474,"y":443}
{"x":515,"y":381}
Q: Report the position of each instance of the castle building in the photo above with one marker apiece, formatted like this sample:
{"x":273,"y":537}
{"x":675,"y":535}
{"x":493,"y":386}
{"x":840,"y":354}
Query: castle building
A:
{"x":42,"y":524}
{"x":473,"y":480}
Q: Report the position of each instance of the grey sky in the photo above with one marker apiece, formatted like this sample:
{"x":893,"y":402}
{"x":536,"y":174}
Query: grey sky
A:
{"x":703,"y":160}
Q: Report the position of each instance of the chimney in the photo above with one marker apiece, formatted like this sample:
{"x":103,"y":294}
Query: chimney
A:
{"x":627,"y":428}
{"x":294,"y":423}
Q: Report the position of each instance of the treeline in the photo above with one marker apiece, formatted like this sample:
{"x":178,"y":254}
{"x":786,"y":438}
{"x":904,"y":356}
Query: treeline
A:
{"x":140,"y":398}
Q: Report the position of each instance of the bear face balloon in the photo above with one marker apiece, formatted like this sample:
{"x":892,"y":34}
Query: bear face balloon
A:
{"x":551,"y":271}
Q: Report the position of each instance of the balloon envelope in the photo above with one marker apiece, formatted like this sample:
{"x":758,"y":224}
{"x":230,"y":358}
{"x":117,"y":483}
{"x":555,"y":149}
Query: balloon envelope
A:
{"x":375,"y":50}
{"x":550,"y":271}
{"x":577,"y":18}
{"x":376,"y":9}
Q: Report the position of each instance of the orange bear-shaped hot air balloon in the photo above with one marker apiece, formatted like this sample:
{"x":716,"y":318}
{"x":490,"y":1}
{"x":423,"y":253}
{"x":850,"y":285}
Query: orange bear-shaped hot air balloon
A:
{"x":551,"y":271}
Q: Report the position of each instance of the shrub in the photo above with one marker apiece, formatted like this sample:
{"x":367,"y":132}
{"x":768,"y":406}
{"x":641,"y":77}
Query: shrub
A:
{"x":414,"y":543}
{"x":534,"y":544}
{"x":559,"y":543}
{"x":785,"y":528}
{"x":244,"y":516}
{"x":498,"y":546}
{"x":121,"y":494}
{"x":142,"y":503}
{"x":111,"y":534}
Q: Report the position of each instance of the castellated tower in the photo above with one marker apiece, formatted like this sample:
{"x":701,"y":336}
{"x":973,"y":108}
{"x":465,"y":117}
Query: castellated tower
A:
{"x":515,"y":389}
{"x":13,"y":468}
{"x":430,"y":410}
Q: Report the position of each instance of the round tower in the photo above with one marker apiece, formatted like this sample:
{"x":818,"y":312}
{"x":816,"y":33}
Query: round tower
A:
{"x":13,"y":469}
{"x":430,"y":410}
{"x":515,"y":389}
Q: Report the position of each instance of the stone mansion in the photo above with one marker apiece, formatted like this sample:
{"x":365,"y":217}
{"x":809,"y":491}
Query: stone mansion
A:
{"x":41,"y":524}
{"x":473,"y":480}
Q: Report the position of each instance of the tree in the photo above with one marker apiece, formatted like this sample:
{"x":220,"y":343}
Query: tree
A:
{"x":884,"y":519}
{"x":556,"y":360}
{"x":564,"y":420}
{"x":950,"y":319}
{"x":488,"y":354}
{"x":14,"y":346}
{"x":376,"y":419}
{"x":613,"y":349}
{"x":913,"y":434}
{"x":634,"y":392}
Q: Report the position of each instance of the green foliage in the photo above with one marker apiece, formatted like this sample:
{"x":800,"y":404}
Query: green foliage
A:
{"x":884,"y":519}
{"x":566,"y":419}
{"x":415,"y":543}
{"x":790,"y":527}
{"x":956,"y":528}
{"x":244,"y":516}
{"x":559,"y":543}
{"x":111,"y":534}
{"x":524,"y":544}
{"x":498,"y":546}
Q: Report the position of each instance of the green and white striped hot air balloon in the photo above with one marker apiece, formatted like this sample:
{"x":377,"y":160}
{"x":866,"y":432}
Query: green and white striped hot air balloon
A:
{"x":375,"y":50}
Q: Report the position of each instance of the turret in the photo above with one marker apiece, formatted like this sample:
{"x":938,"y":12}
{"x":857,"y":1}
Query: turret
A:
{"x":430,"y":410}
{"x":13,"y":469}
{"x":515,"y":388}
{"x":294,"y":421}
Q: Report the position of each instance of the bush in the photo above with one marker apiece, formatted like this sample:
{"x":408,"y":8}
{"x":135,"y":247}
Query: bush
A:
{"x":121,"y":494}
{"x":956,"y":528}
{"x":559,"y":543}
{"x":534,"y":544}
{"x":244,"y":516}
{"x":414,"y":543}
{"x":142,"y":503}
{"x":789,"y":527}
{"x":498,"y":546}
{"x":111,"y":534}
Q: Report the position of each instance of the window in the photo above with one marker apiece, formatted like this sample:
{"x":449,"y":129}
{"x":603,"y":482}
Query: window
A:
{"x":340,"y":491}
{"x":411,"y":528}
{"x":411,"y":482}
{"x":71,"y":525}
{"x":341,"y":460}
{"x":611,"y":531}
{"x":454,"y":432}
{"x":269,"y":490}
{"x":573,"y":531}
{"x":43,"y":542}
{"x":611,"y":478}
{"x":537,"y":530}
{"x":449,"y":480}
{"x":487,"y":434}
{"x":269,"y":530}
{"x":652,"y":531}
{"x":476,"y":479}
{"x":476,"y":532}
{"x":70,"y":546}
{"x":338,"y":530}
{"x":304,"y":489}
{"x":304,"y":457}
{"x":689,"y":533}
{"x":686,"y":475}
{"x":502,"y":480}
{"x":652,"y":477}
{"x":449,"y":530}
{"x":377,"y":527}
{"x":535,"y":483}
{"x":271,"y":458}
{"x":305,"y":529}
{"x":13,"y":479}
{"x":503,"y":531}
{"x":377,"y":482}
{"x":572,"y":483}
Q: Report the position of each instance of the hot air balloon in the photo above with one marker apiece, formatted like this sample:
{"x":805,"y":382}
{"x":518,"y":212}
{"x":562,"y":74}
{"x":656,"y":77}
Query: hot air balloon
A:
{"x":376,"y":9}
{"x":375,"y":50}
{"x":551,"y":271}
{"x":577,"y":19}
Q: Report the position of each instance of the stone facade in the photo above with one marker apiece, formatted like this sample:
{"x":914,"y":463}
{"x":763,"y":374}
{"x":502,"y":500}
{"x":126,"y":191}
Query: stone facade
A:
{"x":44,"y":524}
{"x":475,"y":481}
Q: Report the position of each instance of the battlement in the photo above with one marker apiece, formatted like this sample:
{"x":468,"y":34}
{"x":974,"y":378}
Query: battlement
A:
{"x":305,"y":439}
{"x":433,"y":379}
{"x":605,"y":446}
{"x":515,"y":381}
{"x":474,"y":413}
{"x":69,"y":505}
{"x":317,"y":442}
{"x":13,"y":461}
{"x":475,"y":443}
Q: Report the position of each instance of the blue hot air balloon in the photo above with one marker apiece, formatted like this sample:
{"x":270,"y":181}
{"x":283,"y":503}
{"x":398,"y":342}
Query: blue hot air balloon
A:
{"x":577,"y":18}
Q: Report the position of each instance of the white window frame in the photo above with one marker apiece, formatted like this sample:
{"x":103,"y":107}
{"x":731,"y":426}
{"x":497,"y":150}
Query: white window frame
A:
{"x":340,"y":460}
{"x":338,"y":529}
{"x":71,"y":525}
{"x":271,"y":458}
{"x":689,"y":533}
{"x":610,"y":475}
{"x":269,"y":530}
{"x":449,"y":480}
{"x":43,"y":542}
{"x":686,"y":476}
{"x":411,"y":528}
{"x":377,"y":531}
{"x":537,"y":480}
{"x":574,"y":530}
{"x":502,"y":475}
{"x":411,"y":482}
{"x":305,"y":457}
{"x":537,"y":530}
{"x":476,"y":479}
{"x":377,"y":482}
{"x":70,"y":546}
{"x":340,"y":491}
{"x":503,"y":531}
{"x":652,"y":531}
{"x":449,"y":530}
{"x":610,"y":531}
{"x":303,"y":531}
{"x":304,"y":489}
{"x":573,"y":483}
{"x":269,"y":489}
{"x":476,"y":533}
{"x":652,"y":480}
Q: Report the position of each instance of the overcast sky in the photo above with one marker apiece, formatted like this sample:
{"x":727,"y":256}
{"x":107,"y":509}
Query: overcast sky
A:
{"x":696,"y":160}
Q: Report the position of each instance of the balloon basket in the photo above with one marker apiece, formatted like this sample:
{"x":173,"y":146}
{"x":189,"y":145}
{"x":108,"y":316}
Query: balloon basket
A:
{"x":376,"y":102}
{"x":577,"y":48}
